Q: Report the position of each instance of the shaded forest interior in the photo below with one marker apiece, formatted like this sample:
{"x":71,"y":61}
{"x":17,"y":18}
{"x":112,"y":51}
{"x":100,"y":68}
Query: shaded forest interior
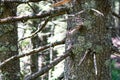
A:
{"x":59,"y":40}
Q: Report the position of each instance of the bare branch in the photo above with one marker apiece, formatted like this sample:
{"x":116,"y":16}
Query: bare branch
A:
{"x":21,"y":1}
{"x":116,"y":15}
{"x":36,"y":50}
{"x":39,"y":29}
{"x":85,"y":55}
{"x":42,"y":15}
{"x":32,"y":8}
{"x":48,"y":67}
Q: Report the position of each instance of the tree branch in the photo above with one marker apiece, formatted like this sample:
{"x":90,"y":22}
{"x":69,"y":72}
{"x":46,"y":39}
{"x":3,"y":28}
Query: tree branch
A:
{"x":48,"y":67}
{"x":39,"y":29}
{"x":36,"y":50}
{"x":32,"y":8}
{"x":21,"y":1}
{"x":42,"y":15}
{"x":85,"y":55}
{"x":116,"y":15}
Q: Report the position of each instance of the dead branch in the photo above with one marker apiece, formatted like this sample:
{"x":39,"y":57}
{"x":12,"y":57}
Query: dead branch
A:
{"x":48,"y":67}
{"x":52,"y":13}
{"x":32,"y":8}
{"x":39,"y":29}
{"x":116,"y":15}
{"x":85,"y":55}
{"x":36,"y":50}
{"x":46,"y":21}
{"x":20,"y":1}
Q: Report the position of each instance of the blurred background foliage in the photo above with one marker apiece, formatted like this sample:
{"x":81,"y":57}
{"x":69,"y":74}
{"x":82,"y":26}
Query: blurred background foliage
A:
{"x":56,"y":27}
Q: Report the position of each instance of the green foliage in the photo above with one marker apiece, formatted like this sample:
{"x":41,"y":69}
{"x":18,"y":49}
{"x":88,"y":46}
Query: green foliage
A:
{"x":115,"y":72}
{"x":24,"y":43}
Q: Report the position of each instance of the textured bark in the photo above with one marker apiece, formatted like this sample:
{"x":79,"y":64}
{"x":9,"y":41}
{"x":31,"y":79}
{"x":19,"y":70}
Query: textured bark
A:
{"x":95,"y":36}
{"x":119,"y":21}
{"x":8,"y":44}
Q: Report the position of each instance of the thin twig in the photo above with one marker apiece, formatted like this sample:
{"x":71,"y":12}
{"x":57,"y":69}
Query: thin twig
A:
{"x":85,"y":55}
{"x":38,"y":30}
{"x":116,"y":15}
{"x":31,"y":7}
{"x":95,"y":64}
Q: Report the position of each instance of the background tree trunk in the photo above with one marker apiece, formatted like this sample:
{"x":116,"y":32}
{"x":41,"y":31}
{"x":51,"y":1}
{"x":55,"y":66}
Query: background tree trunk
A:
{"x":95,"y":38}
{"x":8,"y":44}
{"x":38,"y":61}
{"x":35,"y":41}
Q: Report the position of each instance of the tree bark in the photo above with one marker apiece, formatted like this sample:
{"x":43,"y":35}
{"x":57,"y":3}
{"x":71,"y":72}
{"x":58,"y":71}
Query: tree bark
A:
{"x":8,"y":44}
{"x":93,"y":40}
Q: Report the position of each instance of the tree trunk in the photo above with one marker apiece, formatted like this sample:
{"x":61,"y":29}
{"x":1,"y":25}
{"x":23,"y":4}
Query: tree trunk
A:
{"x":34,"y":58}
{"x":38,"y":61}
{"x":119,"y":20}
{"x":93,"y":40}
{"x":8,"y":44}
{"x":35,"y":41}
